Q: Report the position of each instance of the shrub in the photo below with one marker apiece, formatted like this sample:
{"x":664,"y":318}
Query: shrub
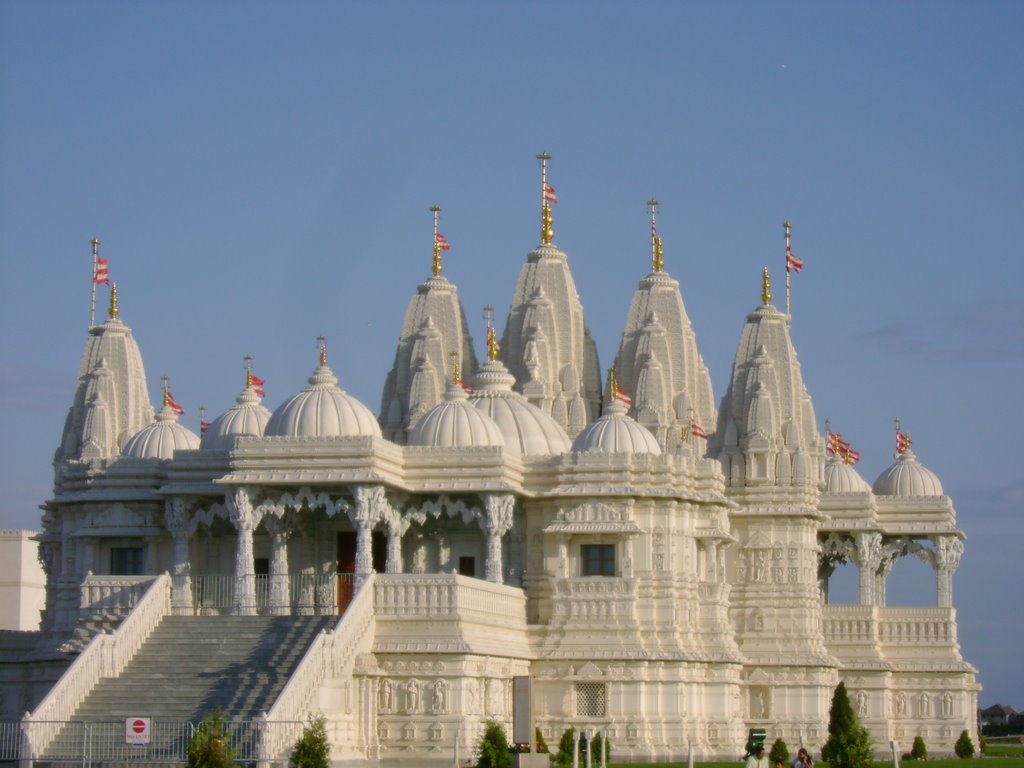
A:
{"x":919,"y":751}
{"x":964,"y":747}
{"x":494,"y":751}
{"x":312,"y":749}
{"x":564,"y":754}
{"x":848,"y":745}
{"x":600,"y":743}
{"x":780,"y":752}
{"x":209,"y":746}
{"x":542,"y":746}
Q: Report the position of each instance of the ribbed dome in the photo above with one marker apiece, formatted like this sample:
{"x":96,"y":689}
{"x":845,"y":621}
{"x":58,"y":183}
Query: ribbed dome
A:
{"x":907,"y":478}
{"x":246,"y":417}
{"x":525,"y":427}
{"x":615,"y":432}
{"x":454,"y":423}
{"x":161,"y":438}
{"x":841,"y":477}
{"x":322,"y":410}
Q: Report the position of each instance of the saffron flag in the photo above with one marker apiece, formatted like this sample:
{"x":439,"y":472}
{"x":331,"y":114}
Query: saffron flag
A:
{"x":257,"y":384}
{"x":622,"y":396}
{"x":102,"y":275}
{"x":549,"y":194}
{"x":902,"y":441}
{"x":172,"y":404}
{"x":697,"y":430}
{"x":442,"y":242}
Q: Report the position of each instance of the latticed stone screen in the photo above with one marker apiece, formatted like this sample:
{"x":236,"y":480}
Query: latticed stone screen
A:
{"x":591,"y":699}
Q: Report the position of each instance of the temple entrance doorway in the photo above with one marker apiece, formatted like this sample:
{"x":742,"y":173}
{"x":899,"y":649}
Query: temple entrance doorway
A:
{"x":346,"y":563}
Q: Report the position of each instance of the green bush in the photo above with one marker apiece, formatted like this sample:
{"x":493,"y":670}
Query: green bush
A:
{"x":312,"y":749}
{"x":964,"y":747}
{"x":597,"y":745}
{"x":494,"y":751}
{"x":919,"y":751}
{"x":848,"y":745}
{"x":542,"y":746}
{"x":564,"y":754}
{"x":779,"y":753}
{"x":209,"y":746}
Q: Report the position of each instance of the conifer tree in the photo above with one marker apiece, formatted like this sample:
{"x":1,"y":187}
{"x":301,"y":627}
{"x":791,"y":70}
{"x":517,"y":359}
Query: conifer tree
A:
{"x":848,"y":745}
{"x":964,"y":747}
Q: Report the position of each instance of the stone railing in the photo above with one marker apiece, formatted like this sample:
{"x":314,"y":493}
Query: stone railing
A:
{"x":332,"y":654}
{"x":907,"y":631}
{"x":447,"y":595}
{"x":113,"y":596}
{"x":850,"y":623}
{"x":590,"y":599}
{"x":105,"y":656}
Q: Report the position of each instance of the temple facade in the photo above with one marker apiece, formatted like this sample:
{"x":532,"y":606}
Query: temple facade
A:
{"x":656,"y":566}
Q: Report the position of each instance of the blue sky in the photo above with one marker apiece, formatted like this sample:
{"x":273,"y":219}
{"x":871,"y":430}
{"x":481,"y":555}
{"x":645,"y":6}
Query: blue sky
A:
{"x":260,"y":173}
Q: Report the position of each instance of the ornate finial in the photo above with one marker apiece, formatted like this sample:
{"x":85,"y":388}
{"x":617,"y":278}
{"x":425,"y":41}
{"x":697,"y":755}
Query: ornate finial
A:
{"x":456,"y":373}
{"x":766,"y":287}
{"x":166,"y":396}
{"x":248,"y":370}
{"x":547,"y":196}
{"x":322,"y":341}
{"x":896,"y":421}
{"x":112,"y":312}
{"x":613,"y":383}
{"x":492,"y":336}
{"x":436,"y":209}
{"x":657,"y":257}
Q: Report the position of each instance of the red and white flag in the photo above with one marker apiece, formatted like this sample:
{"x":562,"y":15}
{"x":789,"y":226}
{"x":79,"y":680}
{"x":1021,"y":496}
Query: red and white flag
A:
{"x":466,"y":388}
{"x":902,"y":441}
{"x":834,"y":443}
{"x":442,"y":242}
{"x":203,"y":426}
{"x":697,"y":430}
{"x":622,"y":396}
{"x":102,"y":275}
{"x":170,"y":403}
{"x":850,"y":456}
{"x":793,"y":264}
{"x":549,"y":194}
{"x":257,"y":384}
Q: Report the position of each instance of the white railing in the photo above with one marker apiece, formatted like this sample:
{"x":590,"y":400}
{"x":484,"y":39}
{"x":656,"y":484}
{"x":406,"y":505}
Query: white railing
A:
{"x":115,"y":595}
{"x":917,"y":626}
{"x":850,"y":623}
{"x":447,"y":595}
{"x":332,"y":654}
{"x":309,"y":594}
{"x":105,"y":656}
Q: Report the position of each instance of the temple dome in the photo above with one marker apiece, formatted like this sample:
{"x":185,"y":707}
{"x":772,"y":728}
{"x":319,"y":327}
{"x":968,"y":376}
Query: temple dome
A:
{"x":525,"y":427}
{"x":841,"y":477}
{"x":247,"y":417}
{"x":161,"y":438}
{"x":615,"y":432}
{"x":322,"y":410}
{"x":454,"y":423}
{"x":906,"y":477}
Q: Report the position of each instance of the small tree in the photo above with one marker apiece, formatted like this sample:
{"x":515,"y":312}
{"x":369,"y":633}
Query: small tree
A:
{"x":542,"y":746}
{"x":564,"y":754}
{"x":494,"y":751}
{"x":312,"y":749}
{"x":848,"y":745}
{"x":964,"y":747}
{"x":599,"y":744}
{"x":779,"y":753}
{"x":209,"y":746}
{"x":919,"y":751}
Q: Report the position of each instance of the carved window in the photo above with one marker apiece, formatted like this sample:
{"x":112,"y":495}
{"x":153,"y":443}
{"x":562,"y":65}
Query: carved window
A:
{"x":591,"y":699}
{"x":597,"y":560}
{"x":126,"y":561}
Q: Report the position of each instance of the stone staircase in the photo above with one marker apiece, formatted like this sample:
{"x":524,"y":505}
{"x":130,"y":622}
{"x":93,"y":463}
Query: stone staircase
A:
{"x":190,"y":666}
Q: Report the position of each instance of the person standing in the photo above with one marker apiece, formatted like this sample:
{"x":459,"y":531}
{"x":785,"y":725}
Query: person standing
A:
{"x":803,"y":759}
{"x":757,"y":759}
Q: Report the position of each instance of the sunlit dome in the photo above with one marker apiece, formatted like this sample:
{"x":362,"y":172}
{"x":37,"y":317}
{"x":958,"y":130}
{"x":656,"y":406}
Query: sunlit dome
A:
{"x":841,"y":477}
{"x":322,"y":410}
{"x":454,"y":423}
{"x":247,"y":417}
{"x":161,"y":438}
{"x":525,"y":427}
{"x":616,"y":432}
{"x":906,"y":477}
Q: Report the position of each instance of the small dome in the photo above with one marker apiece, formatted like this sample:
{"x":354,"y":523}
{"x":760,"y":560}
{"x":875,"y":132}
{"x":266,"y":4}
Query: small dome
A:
{"x":841,"y":477}
{"x":246,"y":417}
{"x":454,"y":423}
{"x":907,"y":478}
{"x":161,"y":438}
{"x":525,"y":427}
{"x":615,"y":432}
{"x":322,"y":410}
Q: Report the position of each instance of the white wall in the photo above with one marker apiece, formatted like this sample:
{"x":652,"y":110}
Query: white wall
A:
{"x":22,"y":581}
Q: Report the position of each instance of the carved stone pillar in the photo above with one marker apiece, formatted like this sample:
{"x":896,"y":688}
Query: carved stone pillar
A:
{"x":563,"y":556}
{"x":890,"y":552}
{"x":868,"y":556}
{"x":370,"y":500}
{"x":278,"y":602}
{"x":496,"y":523}
{"x":176,"y":520}
{"x":948,"y":550}
{"x":243,"y":517}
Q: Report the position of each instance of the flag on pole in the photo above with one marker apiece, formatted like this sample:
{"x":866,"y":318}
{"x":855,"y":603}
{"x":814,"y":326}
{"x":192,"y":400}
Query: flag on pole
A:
{"x":102,"y":276}
{"x":442,"y":242}
{"x":203,"y":426}
{"x":697,"y":430}
{"x":849,"y":455}
{"x":170,"y":403}
{"x":257,"y":384}
{"x":622,"y":396}
{"x":835,"y":444}
{"x":549,"y":194}
{"x":902,"y":441}
{"x":793,"y":263}
{"x":466,"y":388}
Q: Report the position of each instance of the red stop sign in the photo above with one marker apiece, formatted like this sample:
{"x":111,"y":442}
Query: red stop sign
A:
{"x":139,"y":726}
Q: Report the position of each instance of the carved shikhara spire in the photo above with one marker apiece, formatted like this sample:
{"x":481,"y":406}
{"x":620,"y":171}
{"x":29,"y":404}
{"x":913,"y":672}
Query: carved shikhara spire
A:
{"x":547,"y":196}
{"x":657,"y":257}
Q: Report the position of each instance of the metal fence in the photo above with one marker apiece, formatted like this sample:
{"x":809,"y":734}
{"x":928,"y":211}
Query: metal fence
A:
{"x":322,"y":594}
{"x":93,"y":742}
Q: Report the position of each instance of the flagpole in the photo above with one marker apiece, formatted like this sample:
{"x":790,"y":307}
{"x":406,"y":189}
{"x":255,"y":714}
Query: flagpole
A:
{"x":546,"y":233}
{"x":786,"y":226}
{"x":657,"y":261}
{"x":95,"y":265}
{"x":436,"y":209}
